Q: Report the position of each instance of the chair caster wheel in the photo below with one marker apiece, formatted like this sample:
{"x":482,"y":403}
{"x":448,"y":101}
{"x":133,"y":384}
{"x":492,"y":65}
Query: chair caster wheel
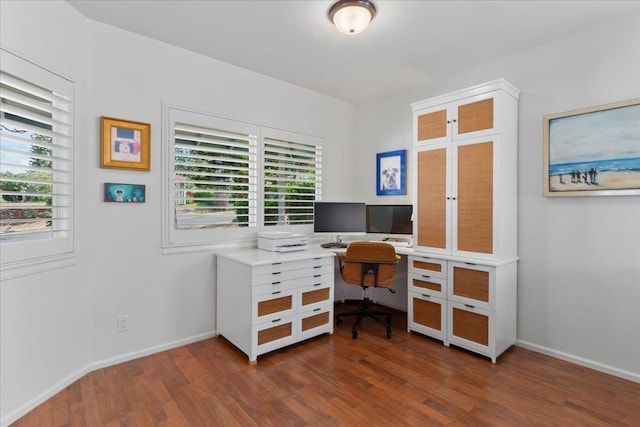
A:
{"x":339,"y":321}
{"x":354,"y":334}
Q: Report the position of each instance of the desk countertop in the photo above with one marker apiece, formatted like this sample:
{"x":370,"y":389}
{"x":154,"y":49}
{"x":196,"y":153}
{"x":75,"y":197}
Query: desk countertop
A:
{"x":254,"y":256}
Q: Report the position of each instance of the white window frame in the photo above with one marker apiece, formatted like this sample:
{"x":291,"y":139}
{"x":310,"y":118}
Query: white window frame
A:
{"x":178,"y":241}
{"x":312,"y":143}
{"x":55,"y":249}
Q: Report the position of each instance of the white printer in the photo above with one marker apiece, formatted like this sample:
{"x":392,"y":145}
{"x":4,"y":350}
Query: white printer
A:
{"x":282,"y":241}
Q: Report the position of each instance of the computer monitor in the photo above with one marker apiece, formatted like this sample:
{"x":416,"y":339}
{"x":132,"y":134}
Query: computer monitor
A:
{"x":389,"y":219}
{"x":339,"y":218}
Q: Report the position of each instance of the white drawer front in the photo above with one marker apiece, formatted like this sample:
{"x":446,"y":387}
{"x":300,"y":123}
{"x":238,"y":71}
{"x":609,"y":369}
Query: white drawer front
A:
{"x":282,"y":276}
{"x":471,"y":327}
{"x":472,"y":284}
{"x":432,"y":267}
{"x":428,"y":285}
{"x":274,"y":334}
{"x":314,"y":296}
{"x":427,"y":315}
{"x":276,"y":267}
{"x":275,"y":305}
{"x":315,"y":322}
{"x":281,"y":286}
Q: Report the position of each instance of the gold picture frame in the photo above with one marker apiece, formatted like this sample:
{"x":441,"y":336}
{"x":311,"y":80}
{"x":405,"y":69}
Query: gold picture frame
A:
{"x":125,"y":144}
{"x":593,"y":151}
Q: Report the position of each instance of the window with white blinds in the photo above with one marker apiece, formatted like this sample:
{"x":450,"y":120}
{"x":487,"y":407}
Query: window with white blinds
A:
{"x":228,"y":179}
{"x":292,"y":168}
{"x":36,"y":161}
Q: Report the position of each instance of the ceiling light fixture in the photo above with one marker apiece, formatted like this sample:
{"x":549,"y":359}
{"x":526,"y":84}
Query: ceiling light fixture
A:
{"x":352,"y":16}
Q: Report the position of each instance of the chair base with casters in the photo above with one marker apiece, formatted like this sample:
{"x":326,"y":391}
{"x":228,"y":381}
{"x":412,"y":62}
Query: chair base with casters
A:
{"x":366,"y":311}
{"x":368,"y":264}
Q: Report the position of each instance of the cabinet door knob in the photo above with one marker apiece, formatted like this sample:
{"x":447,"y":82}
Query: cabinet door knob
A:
{"x":454,"y":120}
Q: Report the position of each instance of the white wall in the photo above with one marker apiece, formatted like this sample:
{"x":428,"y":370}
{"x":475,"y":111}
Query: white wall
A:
{"x":579,"y":269}
{"x":56,"y":325}
{"x":59,"y":324}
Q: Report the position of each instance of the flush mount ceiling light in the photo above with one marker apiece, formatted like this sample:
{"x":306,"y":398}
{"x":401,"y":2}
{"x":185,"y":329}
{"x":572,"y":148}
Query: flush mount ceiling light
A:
{"x":352,"y":16}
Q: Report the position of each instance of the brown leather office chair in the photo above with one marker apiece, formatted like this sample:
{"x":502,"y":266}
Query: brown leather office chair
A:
{"x":368,"y":264}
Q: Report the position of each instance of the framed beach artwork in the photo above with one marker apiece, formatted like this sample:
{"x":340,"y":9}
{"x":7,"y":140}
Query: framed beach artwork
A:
{"x":593,"y":151}
{"x":125,"y":144}
{"x":391,"y":173}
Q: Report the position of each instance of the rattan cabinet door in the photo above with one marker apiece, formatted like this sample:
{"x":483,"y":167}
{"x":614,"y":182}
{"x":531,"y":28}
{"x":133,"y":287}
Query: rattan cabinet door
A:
{"x":473,"y":203}
{"x":433,"y":207}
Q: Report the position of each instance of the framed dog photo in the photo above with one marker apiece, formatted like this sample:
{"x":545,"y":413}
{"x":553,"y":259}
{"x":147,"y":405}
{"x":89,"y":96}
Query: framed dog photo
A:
{"x":124,"y":193}
{"x":391,"y":173}
{"x":124,"y":144}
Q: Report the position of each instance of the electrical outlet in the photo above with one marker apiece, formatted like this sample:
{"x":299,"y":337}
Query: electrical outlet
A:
{"x":123,"y":323}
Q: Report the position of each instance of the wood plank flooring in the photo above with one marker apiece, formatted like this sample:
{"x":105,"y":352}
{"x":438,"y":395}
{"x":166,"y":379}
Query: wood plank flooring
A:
{"x":332,"y":380}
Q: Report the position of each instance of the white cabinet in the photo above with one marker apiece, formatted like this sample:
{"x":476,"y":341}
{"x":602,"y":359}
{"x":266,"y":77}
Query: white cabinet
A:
{"x":465,"y":184}
{"x":465,"y":210}
{"x":267,"y":300}
{"x":470,"y":305}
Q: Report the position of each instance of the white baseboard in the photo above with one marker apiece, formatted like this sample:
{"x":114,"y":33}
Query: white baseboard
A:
{"x":601,"y":367}
{"x":61,"y":385}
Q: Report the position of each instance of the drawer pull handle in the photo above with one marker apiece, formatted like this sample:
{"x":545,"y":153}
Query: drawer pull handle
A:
{"x":318,"y":257}
{"x":276,"y":320}
{"x":470,"y":263}
{"x":317,"y":284}
{"x":276,"y":272}
{"x":317,"y":309}
{"x":469,"y":305}
{"x":426,"y":296}
{"x":276,"y":263}
{"x":317,"y":266}
{"x":276,"y":292}
{"x":275,"y":283}
{"x":317,"y":275}
{"x":426,"y":277}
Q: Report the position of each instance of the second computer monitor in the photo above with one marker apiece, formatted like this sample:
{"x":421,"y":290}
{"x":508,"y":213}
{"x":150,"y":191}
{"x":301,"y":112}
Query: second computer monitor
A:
{"x":389,"y":219}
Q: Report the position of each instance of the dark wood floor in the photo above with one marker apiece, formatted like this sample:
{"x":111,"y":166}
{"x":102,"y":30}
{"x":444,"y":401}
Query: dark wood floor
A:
{"x":333,"y":380}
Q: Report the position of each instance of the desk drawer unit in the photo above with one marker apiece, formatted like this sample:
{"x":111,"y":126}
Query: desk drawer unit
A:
{"x":263,"y":306}
{"x":470,"y":305}
{"x":427,"y":293}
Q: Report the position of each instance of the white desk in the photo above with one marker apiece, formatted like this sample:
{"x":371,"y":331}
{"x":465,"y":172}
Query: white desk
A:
{"x":268,"y":300}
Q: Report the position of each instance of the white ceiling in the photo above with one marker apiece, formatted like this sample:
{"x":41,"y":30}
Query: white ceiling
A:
{"x":408,"y":44}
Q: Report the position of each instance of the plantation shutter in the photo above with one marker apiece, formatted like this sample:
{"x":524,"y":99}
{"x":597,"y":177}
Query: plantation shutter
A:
{"x":214,"y":178}
{"x":292,"y":166}
{"x":36,"y":162}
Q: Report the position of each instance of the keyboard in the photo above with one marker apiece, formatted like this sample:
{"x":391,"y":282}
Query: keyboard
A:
{"x":330,"y":245}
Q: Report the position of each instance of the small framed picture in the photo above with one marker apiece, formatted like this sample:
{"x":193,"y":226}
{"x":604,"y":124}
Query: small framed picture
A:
{"x":125,"y":144}
{"x":391,"y":173}
{"x":593,"y":151}
{"x":124,"y":193}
